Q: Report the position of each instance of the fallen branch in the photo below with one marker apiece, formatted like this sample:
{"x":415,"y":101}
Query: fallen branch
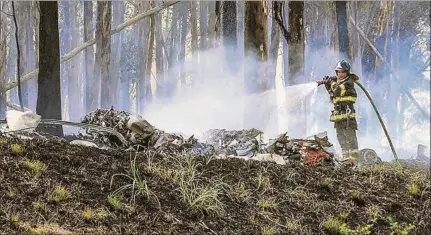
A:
{"x":16,"y":107}
{"x":91,"y":42}
{"x":424,"y":113}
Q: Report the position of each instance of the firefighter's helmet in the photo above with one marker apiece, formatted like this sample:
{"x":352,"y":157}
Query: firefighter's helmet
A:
{"x":343,"y":66}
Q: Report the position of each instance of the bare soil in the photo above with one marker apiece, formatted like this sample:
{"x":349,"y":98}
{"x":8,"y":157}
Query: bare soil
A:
{"x":51,"y":187}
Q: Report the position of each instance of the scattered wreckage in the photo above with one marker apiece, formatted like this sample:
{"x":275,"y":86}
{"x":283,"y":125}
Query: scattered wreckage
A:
{"x":119,"y":129}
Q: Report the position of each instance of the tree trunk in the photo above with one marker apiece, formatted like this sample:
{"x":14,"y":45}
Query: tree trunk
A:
{"x":203,"y":24}
{"x":211,"y":26}
{"x":217,"y":26}
{"x":194,"y":26}
{"x":35,"y":21}
{"x":31,"y":54}
{"x":334,"y":27}
{"x":3,"y":42}
{"x":393,"y":90}
{"x":381,"y":44}
{"x":159,"y":56}
{"x":65,"y":46}
{"x":255,"y":44}
{"x":399,"y":120}
{"x":141,"y":81}
{"x":296,"y":61}
{"x":73,"y":87}
{"x":49,"y":96}
{"x":103,"y":53}
{"x":182,"y":55}
{"x":172,"y":78}
{"x":89,"y":78}
{"x":255,"y":49}
{"x":381,"y":41}
{"x":23,"y":21}
{"x":343,"y":33}
{"x":148,"y":88}
{"x":273,"y":54}
{"x":194,"y":33}
{"x":285,"y":47}
{"x":229,"y":33}
{"x":296,"y":44}
{"x":11,"y":58}
{"x":117,"y":41}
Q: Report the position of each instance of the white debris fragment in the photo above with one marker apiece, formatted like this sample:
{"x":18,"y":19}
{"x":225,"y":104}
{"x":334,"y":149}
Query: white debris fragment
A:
{"x":83,"y":143}
{"x":22,"y":121}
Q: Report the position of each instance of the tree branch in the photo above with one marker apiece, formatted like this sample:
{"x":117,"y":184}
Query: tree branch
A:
{"x":8,"y":14}
{"x":91,"y":42}
{"x":424,"y":113}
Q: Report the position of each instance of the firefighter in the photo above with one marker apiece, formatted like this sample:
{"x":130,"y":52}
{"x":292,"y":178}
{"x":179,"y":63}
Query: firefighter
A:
{"x":343,"y":95}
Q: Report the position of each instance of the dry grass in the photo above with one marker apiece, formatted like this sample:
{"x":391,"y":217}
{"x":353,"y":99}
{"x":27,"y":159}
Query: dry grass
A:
{"x":118,"y":193}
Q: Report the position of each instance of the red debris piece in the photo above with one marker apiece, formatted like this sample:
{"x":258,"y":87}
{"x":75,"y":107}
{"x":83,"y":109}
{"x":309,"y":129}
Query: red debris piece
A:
{"x":315,"y":156}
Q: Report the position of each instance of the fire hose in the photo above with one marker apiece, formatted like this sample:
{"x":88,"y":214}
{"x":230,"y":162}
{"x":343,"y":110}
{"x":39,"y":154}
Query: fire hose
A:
{"x":380,"y":119}
{"x":378,"y":115}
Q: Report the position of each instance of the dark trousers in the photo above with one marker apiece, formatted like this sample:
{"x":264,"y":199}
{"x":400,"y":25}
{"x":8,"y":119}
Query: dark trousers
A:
{"x":346,"y":136}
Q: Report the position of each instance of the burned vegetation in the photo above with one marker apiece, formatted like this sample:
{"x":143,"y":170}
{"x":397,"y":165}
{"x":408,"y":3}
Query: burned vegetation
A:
{"x":162,"y":183}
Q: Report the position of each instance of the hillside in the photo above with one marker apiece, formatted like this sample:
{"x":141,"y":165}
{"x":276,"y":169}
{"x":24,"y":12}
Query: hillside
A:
{"x":51,"y":187}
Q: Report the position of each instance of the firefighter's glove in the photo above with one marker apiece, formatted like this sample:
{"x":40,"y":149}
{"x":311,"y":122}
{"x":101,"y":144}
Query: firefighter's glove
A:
{"x":320,"y":83}
{"x":325,"y":80}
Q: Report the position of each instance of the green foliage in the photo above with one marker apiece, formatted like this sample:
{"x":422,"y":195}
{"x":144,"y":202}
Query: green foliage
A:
{"x":36,"y":167}
{"x":60,"y":194}
{"x":396,"y":228}
{"x":115,"y":202}
{"x":16,"y":148}
{"x":138,"y":185}
{"x":414,"y":190}
{"x":336,"y":226}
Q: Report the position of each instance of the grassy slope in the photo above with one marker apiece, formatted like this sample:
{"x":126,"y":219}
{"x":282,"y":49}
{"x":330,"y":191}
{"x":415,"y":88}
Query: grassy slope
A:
{"x":52,"y":187}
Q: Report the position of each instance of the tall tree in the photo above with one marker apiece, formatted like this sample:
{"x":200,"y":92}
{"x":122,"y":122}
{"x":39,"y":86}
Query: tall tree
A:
{"x":194,"y":32}
{"x":89,"y":78}
{"x":217,"y":26}
{"x":273,"y":53}
{"x":343,"y":33}
{"x":160,"y":78}
{"x":142,"y":79}
{"x":256,"y":51}
{"x":49,"y":96}
{"x":229,"y":32}
{"x":149,"y":59}
{"x":22,"y":9}
{"x":103,"y":54}
{"x":184,"y":31}
{"x":117,"y":41}
{"x":296,"y":43}
{"x":31,"y":53}
{"x":297,"y":58}
{"x":74,"y":85}
{"x":212,"y":23}
{"x":193,"y":25}
{"x":172,"y":56}
{"x":203,"y":24}
{"x":3,"y":40}
{"x":255,"y":44}
{"x":381,"y":45}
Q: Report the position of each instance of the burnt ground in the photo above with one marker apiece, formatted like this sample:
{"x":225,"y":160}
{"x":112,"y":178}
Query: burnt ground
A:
{"x":51,"y":187}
